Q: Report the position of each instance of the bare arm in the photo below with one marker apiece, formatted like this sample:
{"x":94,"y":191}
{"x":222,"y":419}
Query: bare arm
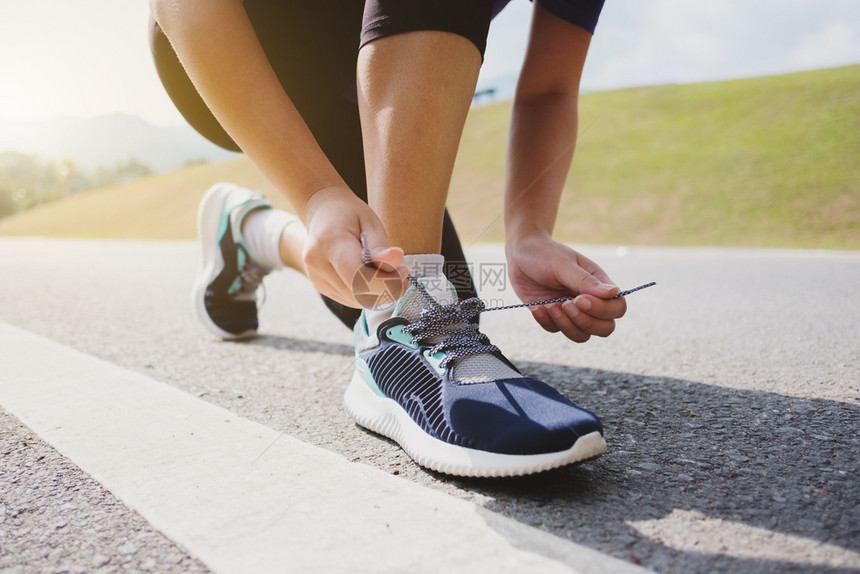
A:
{"x":219,"y":50}
{"x":541,"y":146}
{"x":221,"y":54}
{"x":543,"y":123}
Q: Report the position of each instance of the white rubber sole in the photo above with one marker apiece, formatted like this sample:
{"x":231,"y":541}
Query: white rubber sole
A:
{"x":384,"y":416}
{"x":208,"y":220}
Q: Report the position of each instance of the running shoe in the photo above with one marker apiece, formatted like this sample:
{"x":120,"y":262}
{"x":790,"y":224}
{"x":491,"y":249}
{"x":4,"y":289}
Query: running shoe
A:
{"x":428,"y":379}
{"x":225,"y":291}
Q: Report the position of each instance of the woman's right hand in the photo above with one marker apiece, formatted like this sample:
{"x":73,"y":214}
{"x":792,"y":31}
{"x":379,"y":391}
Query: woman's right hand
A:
{"x":335,"y":219}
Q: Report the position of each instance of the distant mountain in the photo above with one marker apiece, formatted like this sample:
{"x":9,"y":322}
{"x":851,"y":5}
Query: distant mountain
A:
{"x":105,"y":140}
{"x":759,"y":162}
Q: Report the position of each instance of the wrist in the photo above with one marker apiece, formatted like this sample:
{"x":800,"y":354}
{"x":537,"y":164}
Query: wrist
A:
{"x":518,"y":232}
{"x":525,"y":241}
{"x":320,"y":198}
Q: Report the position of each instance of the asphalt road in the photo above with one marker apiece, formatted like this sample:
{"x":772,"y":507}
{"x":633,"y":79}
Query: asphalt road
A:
{"x":730,"y":394}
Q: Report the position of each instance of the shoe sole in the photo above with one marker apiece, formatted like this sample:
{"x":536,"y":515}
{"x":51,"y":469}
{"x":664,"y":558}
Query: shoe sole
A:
{"x":208,"y":221}
{"x":384,"y":416}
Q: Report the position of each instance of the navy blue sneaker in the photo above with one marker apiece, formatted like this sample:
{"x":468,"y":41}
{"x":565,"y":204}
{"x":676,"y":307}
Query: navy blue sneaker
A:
{"x":224,"y":295}
{"x":432,"y":382}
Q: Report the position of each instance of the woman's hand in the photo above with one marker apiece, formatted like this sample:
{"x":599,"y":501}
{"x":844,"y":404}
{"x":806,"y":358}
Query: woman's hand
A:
{"x":335,"y":219}
{"x":540,"y":269}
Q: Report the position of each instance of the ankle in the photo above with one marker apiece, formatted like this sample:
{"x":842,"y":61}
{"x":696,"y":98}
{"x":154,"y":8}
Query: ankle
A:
{"x":291,"y":246}
{"x":420,"y":266}
{"x":262,"y":230}
{"x":424,"y":264}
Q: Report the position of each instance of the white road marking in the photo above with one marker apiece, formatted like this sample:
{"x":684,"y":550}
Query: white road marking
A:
{"x":245,"y":498}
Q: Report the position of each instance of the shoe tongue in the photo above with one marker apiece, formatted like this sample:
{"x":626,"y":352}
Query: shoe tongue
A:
{"x":437,"y":287}
{"x":478,"y":368}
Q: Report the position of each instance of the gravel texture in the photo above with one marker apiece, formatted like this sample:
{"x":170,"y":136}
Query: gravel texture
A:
{"x":55,"y":518}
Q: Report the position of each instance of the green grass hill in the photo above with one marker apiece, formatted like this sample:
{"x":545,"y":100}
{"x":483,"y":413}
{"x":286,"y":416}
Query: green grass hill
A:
{"x":762,"y":162}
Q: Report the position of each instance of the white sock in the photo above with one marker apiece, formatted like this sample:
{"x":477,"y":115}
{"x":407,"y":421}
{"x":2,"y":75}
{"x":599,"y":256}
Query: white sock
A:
{"x":262,"y":230}
{"x":420,"y":265}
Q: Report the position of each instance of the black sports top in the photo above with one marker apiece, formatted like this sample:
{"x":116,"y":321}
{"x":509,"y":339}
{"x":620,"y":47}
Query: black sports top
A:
{"x":583,"y":13}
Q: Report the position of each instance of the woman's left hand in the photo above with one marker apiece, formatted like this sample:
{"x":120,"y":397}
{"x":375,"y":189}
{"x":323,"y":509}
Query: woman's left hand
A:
{"x":541,"y":268}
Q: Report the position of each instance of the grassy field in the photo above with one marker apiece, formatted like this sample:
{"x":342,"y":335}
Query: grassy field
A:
{"x":159,"y":206}
{"x":762,"y":162}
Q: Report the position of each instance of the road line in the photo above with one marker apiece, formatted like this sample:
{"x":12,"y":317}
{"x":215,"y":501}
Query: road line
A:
{"x":245,"y":498}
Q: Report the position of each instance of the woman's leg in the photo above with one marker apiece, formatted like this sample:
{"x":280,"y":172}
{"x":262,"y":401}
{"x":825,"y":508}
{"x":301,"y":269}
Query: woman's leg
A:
{"x":414,"y":92}
{"x":416,"y":75}
{"x":313,"y":46}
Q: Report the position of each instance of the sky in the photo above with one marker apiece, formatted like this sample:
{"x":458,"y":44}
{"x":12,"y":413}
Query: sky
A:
{"x":90,"y":57}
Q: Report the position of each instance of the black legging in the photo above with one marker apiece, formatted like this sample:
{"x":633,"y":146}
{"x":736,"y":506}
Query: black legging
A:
{"x":313,"y":47}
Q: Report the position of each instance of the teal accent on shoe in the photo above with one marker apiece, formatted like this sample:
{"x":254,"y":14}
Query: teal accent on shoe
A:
{"x":435,"y":361}
{"x":250,"y":253}
{"x":241,"y":259}
{"x":222,"y":225}
{"x":368,"y":377}
{"x":396,"y":333}
{"x":246,"y":209}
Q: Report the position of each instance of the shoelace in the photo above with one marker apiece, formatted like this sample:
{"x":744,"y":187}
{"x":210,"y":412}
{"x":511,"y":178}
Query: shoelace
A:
{"x":452,"y":326}
{"x":449,"y":328}
{"x":252,"y":276}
